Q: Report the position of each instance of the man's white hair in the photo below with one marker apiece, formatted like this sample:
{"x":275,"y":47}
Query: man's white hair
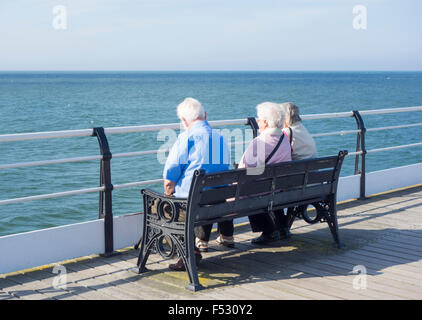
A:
{"x":271,"y":112}
{"x":190,"y":109}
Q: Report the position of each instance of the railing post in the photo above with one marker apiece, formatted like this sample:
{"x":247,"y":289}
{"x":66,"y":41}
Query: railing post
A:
{"x":360,"y":146}
{"x":254,"y":125}
{"x":105,"y":202}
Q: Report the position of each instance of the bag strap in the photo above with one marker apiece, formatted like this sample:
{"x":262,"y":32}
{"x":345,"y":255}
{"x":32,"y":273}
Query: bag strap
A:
{"x":291,"y":135}
{"x":275,"y":149}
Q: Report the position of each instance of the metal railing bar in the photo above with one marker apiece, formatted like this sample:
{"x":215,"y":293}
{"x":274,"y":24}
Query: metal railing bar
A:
{"x":45,"y":135}
{"x":112,"y":130}
{"x":341,"y":133}
{"x":327,"y":115}
{"x":144,"y":128}
{"x":390,"y":110}
{"x":48,"y":162}
{"x":139,"y":153}
{"x":354,"y":153}
{"x":149,"y":182}
{"x":147,"y":152}
{"x":136,"y":184}
{"x":395,"y":127}
{"x":51,"y":195}
{"x":157,"y":127}
{"x":89,"y":158}
{"x":395,"y":147}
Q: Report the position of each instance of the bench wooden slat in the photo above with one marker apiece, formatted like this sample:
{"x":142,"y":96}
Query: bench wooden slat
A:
{"x":290,"y":181}
{"x":300,"y":166}
{"x":260,"y":202}
{"x":216,"y":195}
{"x":222,"y":178}
{"x":320,"y":176}
{"x":255,"y":187}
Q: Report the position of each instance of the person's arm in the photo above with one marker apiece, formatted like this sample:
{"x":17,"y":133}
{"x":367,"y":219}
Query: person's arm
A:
{"x":175,"y":164}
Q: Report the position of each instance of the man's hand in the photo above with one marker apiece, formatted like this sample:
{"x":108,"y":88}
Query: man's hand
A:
{"x":169,"y":187}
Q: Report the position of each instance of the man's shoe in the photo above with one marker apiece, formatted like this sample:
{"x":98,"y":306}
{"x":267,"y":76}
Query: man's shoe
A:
{"x":266,"y":238}
{"x":180,"y":266}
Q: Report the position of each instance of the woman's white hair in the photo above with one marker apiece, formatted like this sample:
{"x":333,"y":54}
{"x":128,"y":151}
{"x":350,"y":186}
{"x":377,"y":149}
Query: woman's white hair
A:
{"x":291,"y":113}
{"x":190,"y":109}
{"x":271,"y":112}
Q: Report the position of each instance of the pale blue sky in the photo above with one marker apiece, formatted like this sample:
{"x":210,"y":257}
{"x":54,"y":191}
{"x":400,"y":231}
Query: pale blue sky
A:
{"x":210,"y":35}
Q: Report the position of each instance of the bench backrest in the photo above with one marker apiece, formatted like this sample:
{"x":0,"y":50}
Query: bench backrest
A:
{"x":235,"y":191}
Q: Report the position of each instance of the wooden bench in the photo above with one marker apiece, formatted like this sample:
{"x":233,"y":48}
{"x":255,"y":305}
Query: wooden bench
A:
{"x":169,"y":222}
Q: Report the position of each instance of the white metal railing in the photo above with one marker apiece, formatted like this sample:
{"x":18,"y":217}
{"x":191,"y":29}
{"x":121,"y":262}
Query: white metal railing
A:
{"x":51,"y":195}
{"x":145,"y":128}
{"x":113,"y":130}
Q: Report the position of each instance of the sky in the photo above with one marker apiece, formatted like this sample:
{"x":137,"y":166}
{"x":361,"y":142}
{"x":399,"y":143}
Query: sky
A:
{"x":210,"y":35}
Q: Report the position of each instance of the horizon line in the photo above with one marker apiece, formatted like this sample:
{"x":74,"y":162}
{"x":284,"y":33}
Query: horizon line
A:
{"x":222,"y":70}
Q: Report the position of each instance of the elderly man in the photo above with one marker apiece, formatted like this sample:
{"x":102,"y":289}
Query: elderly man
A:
{"x":271,"y":146}
{"x":198,"y":147}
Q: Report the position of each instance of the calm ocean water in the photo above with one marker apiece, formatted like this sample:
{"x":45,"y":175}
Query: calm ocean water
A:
{"x":47,"y":101}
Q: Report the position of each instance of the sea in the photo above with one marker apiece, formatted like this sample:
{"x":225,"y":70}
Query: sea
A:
{"x":50,"y":101}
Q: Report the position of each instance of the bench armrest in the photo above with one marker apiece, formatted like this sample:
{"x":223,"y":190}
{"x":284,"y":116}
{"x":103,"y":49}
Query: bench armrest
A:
{"x":162,"y":196}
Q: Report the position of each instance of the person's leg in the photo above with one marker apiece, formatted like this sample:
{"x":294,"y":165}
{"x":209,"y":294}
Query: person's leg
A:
{"x":263,"y":222}
{"x":257,"y":222}
{"x":226,"y":230}
{"x":282,"y":222}
{"x":203,"y":232}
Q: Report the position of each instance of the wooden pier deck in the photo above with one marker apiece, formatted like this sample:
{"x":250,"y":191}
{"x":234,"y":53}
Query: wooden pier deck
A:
{"x":383,"y":235}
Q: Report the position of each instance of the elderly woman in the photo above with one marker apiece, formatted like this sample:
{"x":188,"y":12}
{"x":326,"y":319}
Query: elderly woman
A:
{"x":303,"y":147}
{"x":302,"y":143}
{"x":271,"y":146}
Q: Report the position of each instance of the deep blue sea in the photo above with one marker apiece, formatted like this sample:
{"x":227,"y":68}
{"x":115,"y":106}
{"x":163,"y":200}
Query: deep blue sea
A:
{"x":47,"y":101}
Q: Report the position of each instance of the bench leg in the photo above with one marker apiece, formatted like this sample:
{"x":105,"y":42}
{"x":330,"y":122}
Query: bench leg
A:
{"x":146,"y":246}
{"x":331,"y":217}
{"x":190,"y":263}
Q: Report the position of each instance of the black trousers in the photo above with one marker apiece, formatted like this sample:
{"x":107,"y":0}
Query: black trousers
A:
{"x":268,"y":222}
{"x":226,"y":228}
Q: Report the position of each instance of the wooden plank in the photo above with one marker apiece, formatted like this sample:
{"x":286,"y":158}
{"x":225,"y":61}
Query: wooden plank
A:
{"x":22,"y":290}
{"x":5,"y":296}
{"x":389,"y":273}
{"x":309,"y":287}
{"x":312,"y":278}
{"x":384,"y":285}
{"x":301,"y":267}
{"x":408,"y":270}
{"x":403,"y":242}
{"x":266,"y":274}
{"x":132,"y":281}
